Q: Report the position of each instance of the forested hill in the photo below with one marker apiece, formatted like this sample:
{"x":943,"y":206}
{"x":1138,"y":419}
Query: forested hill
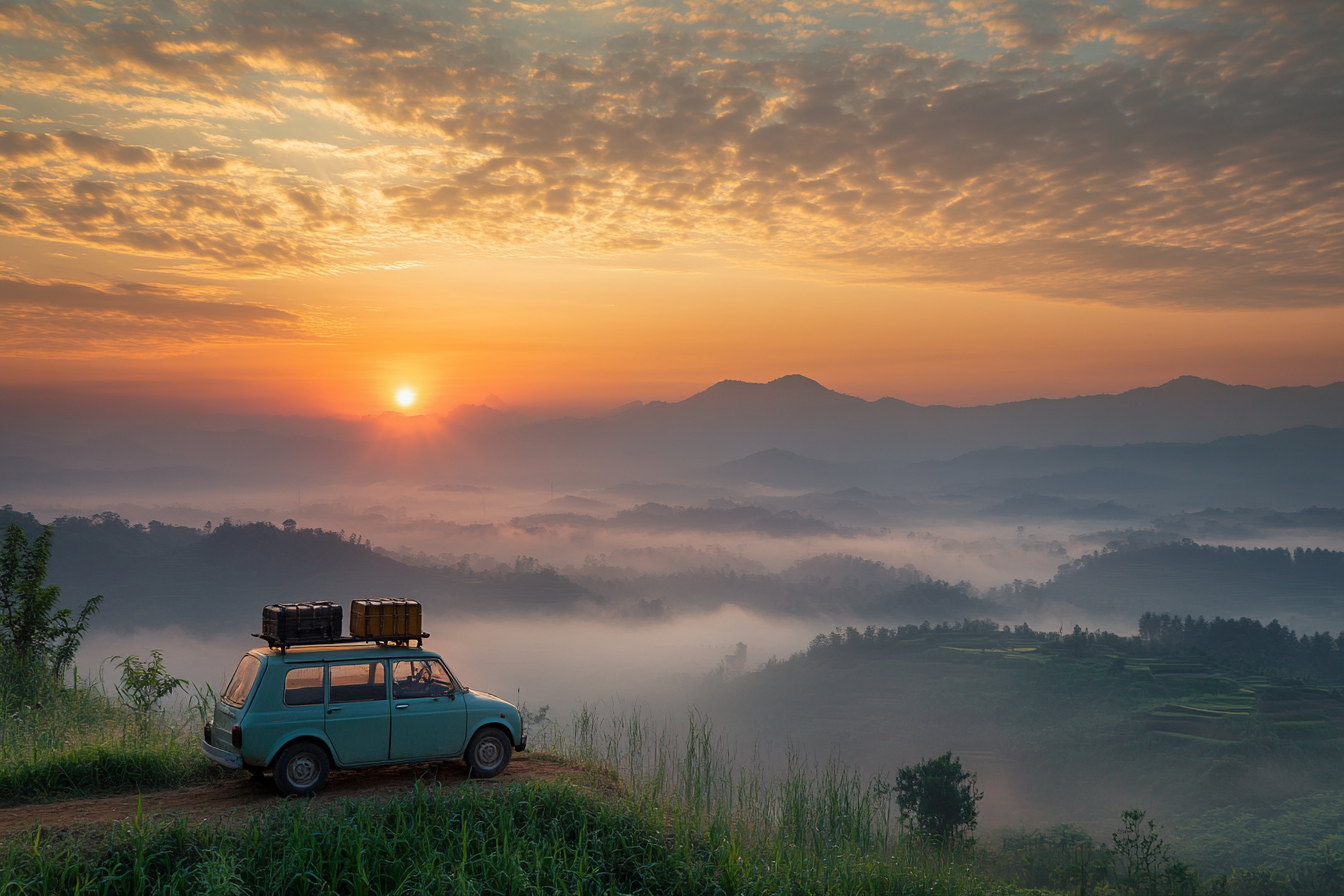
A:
{"x":159,"y":575}
{"x":1187,"y":577}
{"x":1189,"y":716}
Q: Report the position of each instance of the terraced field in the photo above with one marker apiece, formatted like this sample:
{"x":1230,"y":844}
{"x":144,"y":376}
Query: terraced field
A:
{"x":1058,"y":727}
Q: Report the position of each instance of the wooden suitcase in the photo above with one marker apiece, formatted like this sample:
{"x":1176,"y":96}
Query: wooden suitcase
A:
{"x":385,"y":619}
{"x":313,"y":622}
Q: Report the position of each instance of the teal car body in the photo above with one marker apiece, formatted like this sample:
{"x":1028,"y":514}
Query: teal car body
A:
{"x":360,"y":705}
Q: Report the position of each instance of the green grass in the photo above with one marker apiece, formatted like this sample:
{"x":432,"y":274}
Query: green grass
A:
{"x":72,"y":741}
{"x":539,"y":838}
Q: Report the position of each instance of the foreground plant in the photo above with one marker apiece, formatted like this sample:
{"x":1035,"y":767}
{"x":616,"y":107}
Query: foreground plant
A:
{"x":37,"y":641}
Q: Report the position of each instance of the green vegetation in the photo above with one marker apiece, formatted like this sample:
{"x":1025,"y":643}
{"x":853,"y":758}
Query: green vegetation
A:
{"x":1276,"y":836}
{"x":79,"y":741}
{"x":62,"y":738}
{"x":1079,"y":726}
{"x":211,"y":578}
{"x":37,"y":640}
{"x":659,"y":814}
{"x":937,"y":798}
{"x":540,"y":838}
{"x":144,"y":684}
{"x":1132,"y":574}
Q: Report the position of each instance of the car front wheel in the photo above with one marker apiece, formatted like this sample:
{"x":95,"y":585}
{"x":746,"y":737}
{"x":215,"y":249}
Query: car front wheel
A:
{"x":489,"y":753}
{"x":301,"y":769}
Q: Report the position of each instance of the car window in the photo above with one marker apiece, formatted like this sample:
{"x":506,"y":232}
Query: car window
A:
{"x":357,"y":682}
{"x":303,"y":687}
{"x":243,"y":679}
{"x":420,"y":678}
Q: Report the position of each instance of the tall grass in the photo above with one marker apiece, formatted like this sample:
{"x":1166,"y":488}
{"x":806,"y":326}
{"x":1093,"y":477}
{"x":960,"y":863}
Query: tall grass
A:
{"x":684,"y":815}
{"x":808,"y":819}
{"x":61,"y":739}
{"x":538,"y":838}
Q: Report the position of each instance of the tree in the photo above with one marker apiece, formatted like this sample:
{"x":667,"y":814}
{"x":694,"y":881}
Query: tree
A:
{"x":36,"y":639}
{"x":1143,"y":861}
{"x":938,"y":799}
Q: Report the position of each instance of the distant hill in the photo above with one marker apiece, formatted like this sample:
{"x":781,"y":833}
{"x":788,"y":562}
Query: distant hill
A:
{"x":1293,"y":467}
{"x":656,"y":441}
{"x":159,"y":575}
{"x":1186,"y":577}
{"x":778,"y":468}
{"x":1188,"y":717}
{"x":1297,"y":467}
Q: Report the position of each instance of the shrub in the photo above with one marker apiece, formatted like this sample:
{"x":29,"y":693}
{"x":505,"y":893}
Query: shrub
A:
{"x":937,"y":798}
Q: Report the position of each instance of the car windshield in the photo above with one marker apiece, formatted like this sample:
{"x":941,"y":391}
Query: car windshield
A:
{"x":420,"y":678}
{"x":241,"y":684}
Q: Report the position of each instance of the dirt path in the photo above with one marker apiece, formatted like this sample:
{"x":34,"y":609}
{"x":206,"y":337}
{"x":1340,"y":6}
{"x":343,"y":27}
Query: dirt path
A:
{"x":236,"y":800}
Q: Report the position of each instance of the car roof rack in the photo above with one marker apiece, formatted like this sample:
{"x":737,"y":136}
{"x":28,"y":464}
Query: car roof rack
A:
{"x":283,"y":645}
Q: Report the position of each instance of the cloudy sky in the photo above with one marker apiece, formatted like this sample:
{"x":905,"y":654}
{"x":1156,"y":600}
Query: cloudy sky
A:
{"x":298,"y":207}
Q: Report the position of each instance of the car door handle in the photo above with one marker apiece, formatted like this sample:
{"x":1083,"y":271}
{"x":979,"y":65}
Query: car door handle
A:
{"x":403,"y":706}
{"x":333,"y":709}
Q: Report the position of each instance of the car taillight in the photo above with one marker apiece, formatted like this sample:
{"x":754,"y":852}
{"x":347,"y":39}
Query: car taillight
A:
{"x":237,"y":735}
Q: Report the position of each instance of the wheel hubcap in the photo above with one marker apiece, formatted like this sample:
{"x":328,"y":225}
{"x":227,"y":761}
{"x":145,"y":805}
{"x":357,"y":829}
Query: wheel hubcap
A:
{"x":488,"y":752}
{"x":302,"y":770}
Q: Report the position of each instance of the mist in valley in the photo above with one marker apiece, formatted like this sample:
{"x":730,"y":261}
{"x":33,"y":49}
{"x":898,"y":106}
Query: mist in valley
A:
{"x":552,"y":577}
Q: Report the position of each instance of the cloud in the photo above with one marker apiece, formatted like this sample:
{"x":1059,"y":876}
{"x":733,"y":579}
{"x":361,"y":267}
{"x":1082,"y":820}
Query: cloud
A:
{"x":186,"y":164}
{"x":16,"y":146}
{"x":95,"y":191}
{"x":109,"y":152}
{"x":68,"y":319}
{"x":1178,"y":153}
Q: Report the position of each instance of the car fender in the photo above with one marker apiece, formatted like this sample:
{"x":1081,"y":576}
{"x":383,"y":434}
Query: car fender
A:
{"x":487,"y":709}
{"x":313,"y":734}
{"x":493,"y":723}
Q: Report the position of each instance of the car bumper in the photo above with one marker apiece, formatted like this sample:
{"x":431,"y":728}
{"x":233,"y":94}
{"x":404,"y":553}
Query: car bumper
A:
{"x":522,"y":745}
{"x":221,"y":757}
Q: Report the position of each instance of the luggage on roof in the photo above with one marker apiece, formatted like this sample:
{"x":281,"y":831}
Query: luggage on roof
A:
{"x":385,"y":619}
{"x":312,"y":622}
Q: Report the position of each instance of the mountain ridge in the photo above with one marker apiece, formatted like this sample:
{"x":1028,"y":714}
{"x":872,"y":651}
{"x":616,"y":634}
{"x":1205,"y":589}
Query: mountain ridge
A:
{"x":729,"y":420}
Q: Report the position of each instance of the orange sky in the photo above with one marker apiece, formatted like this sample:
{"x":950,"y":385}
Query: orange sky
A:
{"x":573,"y":207}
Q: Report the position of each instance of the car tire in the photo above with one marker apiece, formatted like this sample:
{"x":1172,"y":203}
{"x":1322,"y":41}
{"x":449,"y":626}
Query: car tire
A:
{"x":301,"y":769}
{"x":489,"y":752}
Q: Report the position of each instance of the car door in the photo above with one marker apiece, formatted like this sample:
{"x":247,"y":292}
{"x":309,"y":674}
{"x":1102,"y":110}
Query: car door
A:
{"x":358,"y":720}
{"x":429,"y":714}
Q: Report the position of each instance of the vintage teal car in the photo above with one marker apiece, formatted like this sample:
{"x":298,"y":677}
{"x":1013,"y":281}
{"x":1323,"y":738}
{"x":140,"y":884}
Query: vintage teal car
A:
{"x":302,"y":711}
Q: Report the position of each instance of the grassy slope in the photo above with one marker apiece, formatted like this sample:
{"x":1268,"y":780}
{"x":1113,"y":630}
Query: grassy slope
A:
{"x":1063,"y":737}
{"x":535,"y":838}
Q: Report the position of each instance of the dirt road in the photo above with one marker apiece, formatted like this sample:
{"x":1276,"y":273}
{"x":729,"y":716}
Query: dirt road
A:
{"x":236,"y":800}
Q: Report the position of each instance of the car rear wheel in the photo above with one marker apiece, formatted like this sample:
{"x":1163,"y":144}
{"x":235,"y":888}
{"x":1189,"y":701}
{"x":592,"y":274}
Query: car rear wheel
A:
{"x":301,"y":769}
{"x":489,"y":753}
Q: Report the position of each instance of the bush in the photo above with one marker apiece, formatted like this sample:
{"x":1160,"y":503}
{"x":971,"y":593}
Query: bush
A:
{"x":937,"y":798}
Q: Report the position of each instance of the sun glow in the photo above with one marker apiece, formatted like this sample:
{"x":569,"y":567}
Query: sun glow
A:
{"x":405,"y":396}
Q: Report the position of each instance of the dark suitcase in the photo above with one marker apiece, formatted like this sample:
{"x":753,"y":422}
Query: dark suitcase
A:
{"x":307,"y":623}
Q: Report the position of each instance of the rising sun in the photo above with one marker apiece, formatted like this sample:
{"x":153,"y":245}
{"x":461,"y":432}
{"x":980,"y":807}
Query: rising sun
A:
{"x":405,"y":396}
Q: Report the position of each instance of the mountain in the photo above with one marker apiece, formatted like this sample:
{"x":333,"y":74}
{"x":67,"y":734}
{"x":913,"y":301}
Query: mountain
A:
{"x":1296,"y":467}
{"x":656,"y":441}
{"x":777,"y":468}
{"x":794,"y":414}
